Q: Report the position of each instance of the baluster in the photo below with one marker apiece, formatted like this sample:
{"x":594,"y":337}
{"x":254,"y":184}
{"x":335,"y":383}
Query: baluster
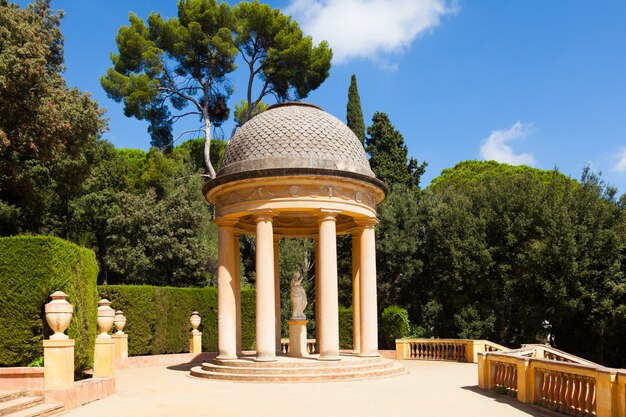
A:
{"x":437,"y":346}
{"x":496,"y":375}
{"x":574,"y":394}
{"x":562,"y":384}
{"x":587,"y":397}
{"x":567,"y":396}
{"x":540,"y":388}
{"x":413,"y":350}
{"x":514,"y":377}
{"x":581,"y":395}
{"x":592,"y":406}
{"x":549,"y":388}
{"x":507,"y":376}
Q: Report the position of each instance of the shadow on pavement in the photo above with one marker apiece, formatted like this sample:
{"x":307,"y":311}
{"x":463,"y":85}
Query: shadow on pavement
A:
{"x":531,"y":409}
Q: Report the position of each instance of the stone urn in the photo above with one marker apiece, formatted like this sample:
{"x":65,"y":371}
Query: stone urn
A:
{"x":195,"y":320}
{"x":58,"y":315}
{"x":120,"y":321}
{"x":106,"y":317}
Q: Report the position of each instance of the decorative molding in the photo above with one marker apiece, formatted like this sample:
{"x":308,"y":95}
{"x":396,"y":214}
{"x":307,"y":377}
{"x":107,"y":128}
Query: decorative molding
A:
{"x":358,"y":195}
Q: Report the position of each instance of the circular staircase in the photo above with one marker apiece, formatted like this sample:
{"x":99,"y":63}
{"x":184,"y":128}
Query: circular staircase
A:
{"x":308,"y":369}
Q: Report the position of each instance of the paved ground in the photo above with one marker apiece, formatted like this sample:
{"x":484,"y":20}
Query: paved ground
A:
{"x":437,"y":389}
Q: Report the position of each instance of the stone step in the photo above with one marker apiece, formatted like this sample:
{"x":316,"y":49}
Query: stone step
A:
{"x":40,"y":410}
{"x":11,"y":395}
{"x":19,"y":403}
{"x":347,"y":367}
{"x":286,"y":362}
{"x":296,"y":376}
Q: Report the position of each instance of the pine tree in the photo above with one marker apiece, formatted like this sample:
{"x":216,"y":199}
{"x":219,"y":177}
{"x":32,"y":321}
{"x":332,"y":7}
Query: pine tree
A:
{"x":389,"y":155}
{"x":355,"y":114}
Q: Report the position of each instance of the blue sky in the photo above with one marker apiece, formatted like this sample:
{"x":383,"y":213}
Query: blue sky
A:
{"x":535,"y":82}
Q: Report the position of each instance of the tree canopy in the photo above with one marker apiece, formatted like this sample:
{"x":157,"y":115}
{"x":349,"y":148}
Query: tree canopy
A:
{"x":167,"y":70}
{"x":44,"y":124}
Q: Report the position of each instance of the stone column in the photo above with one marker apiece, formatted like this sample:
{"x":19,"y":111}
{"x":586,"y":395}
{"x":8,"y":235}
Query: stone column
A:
{"x":318,"y":291}
{"x":368,"y":302}
{"x":356,"y":293}
{"x":277,"y":292}
{"x":226,"y":293}
{"x":329,"y":297}
{"x":265,"y":298}
{"x":237,"y":288}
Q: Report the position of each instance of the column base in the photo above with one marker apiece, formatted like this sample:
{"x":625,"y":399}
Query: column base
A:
{"x":369,"y":355}
{"x":226,"y":358}
{"x":265,"y":359}
{"x":297,"y":338}
{"x":329,"y":358}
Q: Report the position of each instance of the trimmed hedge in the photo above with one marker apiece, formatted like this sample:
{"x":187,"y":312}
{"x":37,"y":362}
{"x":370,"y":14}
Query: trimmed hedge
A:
{"x":158,"y":317}
{"x":32,"y":268}
{"x":395,"y":325}
{"x":345,"y":327}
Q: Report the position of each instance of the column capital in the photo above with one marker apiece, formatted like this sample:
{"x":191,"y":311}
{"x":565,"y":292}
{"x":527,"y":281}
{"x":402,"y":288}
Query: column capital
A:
{"x":226,"y":222}
{"x":367,"y":223}
{"x":327,"y":214}
{"x":261,"y":215}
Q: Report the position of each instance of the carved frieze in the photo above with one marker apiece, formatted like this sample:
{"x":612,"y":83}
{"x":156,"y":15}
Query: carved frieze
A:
{"x":313,"y":191}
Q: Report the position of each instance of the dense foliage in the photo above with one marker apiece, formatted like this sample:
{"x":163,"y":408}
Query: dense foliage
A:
{"x":513,"y":254}
{"x":394,"y":324}
{"x":158,"y":317}
{"x":45,"y":126}
{"x":32,"y":268}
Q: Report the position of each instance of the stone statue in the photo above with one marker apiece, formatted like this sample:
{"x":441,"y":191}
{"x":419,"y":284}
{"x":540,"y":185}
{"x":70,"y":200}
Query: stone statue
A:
{"x":298,"y":297}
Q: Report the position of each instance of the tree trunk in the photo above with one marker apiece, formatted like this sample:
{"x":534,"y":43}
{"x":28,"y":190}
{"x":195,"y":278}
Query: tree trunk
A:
{"x":207,"y":147}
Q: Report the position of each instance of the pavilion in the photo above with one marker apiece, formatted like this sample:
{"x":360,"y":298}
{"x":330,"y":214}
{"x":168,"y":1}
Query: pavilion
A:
{"x":296,"y":171}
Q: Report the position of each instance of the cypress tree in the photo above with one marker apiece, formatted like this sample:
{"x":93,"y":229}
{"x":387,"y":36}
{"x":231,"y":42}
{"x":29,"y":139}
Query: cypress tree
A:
{"x":355,"y":114}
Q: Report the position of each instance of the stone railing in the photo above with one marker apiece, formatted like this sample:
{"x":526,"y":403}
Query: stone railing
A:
{"x":567,"y":384}
{"x":310,"y":346}
{"x":460,"y":350}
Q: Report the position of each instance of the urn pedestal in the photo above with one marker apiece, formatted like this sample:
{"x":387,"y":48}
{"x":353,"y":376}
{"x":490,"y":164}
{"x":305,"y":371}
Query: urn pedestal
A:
{"x":105,"y":345}
{"x":120,"y":338}
{"x":58,"y":351}
{"x":195,"y":336}
{"x":297,"y":338}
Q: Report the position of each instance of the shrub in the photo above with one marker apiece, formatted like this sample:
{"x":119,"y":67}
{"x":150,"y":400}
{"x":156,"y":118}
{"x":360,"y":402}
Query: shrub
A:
{"x":394,"y":325}
{"x":32,"y":268}
{"x":345,"y":327}
{"x":158,"y":317}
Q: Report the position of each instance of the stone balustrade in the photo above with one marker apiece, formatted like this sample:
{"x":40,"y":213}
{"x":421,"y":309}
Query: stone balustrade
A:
{"x":459,"y":350}
{"x":311,"y":346}
{"x":561,"y":384}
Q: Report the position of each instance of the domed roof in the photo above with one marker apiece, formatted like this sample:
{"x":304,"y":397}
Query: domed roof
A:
{"x":295,"y":137}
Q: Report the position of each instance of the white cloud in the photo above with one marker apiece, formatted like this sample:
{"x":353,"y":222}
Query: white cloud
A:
{"x":372,"y":29}
{"x":620,"y":165}
{"x":496,"y":146}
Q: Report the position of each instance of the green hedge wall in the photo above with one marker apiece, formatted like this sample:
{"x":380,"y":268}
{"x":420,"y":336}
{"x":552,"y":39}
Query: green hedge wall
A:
{"x":158,"y":317}
{"x":32,"y":268}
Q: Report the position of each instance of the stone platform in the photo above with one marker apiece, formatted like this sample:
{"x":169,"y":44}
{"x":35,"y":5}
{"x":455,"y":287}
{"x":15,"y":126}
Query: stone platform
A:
{"x":288,"y":369}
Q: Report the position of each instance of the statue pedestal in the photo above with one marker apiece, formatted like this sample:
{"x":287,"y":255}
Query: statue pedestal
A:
{"x":297,"y":338}
{"x":195,"y":342}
